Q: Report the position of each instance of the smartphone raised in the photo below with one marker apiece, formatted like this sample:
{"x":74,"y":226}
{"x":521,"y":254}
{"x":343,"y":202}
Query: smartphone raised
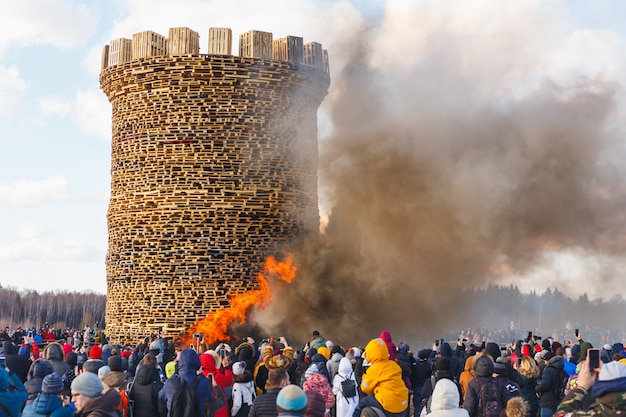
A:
{"x":576,"y":333}
{"x":593,"y":359}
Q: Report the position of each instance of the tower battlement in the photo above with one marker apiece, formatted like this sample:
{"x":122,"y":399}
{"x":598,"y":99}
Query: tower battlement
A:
{"x":185,"y":41}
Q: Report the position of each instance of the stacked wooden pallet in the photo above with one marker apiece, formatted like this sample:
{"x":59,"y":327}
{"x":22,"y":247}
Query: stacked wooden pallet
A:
{"x":213,"y":168}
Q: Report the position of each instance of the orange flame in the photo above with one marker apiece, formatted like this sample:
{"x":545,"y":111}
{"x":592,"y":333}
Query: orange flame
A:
{"x":215,"y":325}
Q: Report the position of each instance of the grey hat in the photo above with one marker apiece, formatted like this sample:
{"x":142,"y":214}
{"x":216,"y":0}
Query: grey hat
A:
{"x":52,"y":384}
{"x":87,"y":384}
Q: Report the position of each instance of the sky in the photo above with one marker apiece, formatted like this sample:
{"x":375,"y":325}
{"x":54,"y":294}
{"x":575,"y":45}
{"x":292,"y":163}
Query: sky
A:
{"x":55,"y":121}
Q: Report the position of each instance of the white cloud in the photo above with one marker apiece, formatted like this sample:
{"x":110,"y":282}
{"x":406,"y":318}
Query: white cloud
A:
{"x":11,"y":88}
{"x":32,"y":193}
{"x":36,"y":244}
{"x":54,"y":106}
{"x":93,"y":113}
{"x":61,"y":23}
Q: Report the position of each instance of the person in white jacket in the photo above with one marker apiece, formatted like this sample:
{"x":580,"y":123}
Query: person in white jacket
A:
{"x":243,"y":390}
{"x":445,"y":400}
{"x":344,"y":406}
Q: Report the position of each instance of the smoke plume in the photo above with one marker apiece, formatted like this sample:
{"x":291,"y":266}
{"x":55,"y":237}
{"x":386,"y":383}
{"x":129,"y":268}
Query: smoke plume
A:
{"x":459,"y":155}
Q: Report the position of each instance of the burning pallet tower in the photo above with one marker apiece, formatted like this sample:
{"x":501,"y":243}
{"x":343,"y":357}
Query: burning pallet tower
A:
{"x":213,"y":168}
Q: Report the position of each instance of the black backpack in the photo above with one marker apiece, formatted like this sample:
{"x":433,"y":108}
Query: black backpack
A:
{"x":348,"y":387}
{"x":184,"y":402}
{"x":489,"y":398}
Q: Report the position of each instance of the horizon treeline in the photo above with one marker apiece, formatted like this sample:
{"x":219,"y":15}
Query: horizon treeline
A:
{"x":60,"y":309}
{"x":494,"y":307}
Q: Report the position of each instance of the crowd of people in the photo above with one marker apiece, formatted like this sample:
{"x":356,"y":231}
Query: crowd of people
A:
{"x":84,"y":375}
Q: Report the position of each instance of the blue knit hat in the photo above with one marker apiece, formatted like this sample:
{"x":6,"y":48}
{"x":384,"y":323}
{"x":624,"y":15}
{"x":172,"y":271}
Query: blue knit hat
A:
{"x":291,"y":398}
{"x":52,"y":384}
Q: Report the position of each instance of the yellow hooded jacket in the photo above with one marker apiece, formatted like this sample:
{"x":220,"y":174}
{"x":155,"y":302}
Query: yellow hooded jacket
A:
{"x":384,"y":378}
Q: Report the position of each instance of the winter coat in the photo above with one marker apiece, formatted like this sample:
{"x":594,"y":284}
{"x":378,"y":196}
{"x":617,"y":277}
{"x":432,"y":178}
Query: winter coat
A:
{"x":55,"y":354}
{"x":332,"y":365}
{"x":115,"y":379}
{"x":445,"y":400}
{"x":15,"y":397}
{"x":610,"y":400}
{"x":527,"y":388}
{"x":17,"y":363}
{"x":483,"y":372}
{"x":391,"y":347}
{"x":145,"y":392}
{"x":467,"y":375}
{"x":188,"y":365}
{"x":47,"y":404}
{"x":107,"y":403}
{"x":223,"y":378}
{"x":383,"y":378}
{"x":345,"y":406}
{"x":455,"y":366}
{"x":420,"y":372}
{"x":319,"y":361}
{"x":38,"y":370}
{"x":317,"y":342}
{"x":243,"y":396}
{"x":319,"y":384}
{"x":265,"y":405}
{"x":93,"y":365}
{"x":550,"y":381}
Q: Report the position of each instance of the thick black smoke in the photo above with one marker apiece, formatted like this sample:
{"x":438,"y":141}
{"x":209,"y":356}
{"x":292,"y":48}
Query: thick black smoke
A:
{"x":437,"y":184}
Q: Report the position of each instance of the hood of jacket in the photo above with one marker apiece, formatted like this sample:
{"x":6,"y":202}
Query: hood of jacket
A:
{"x":445,"y":395}
{"x":391,"y":347}
{"x":446,"y":350}
{"x":336,"y":357}
{"x":188,"y":364}
{"x":8,"y":348}
{"x":376,"y":351}
{"x":468,"y":363}
{"x":493,"y":350}
{"x":484,"y":367}
{"x":318,"y":358}
{"x":54,"y":352}
{"x":147,"y":374}
{"x":345,"y":367}
{"x":39,"y":369}
{"x":556,"y":362}
{"x":207,"y":361}
{"x":114,"y":379}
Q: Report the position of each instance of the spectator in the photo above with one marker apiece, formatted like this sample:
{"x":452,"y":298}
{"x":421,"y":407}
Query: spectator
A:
{"x":442,"y":371}
{"x":243,"y":390}
{"x":48,"y":402}
{"x":55,"y":354}
{"x":609,"y":392}
{"x":484,"y":375}
{"x":13,"y":393}
{"x":89,"y":399}
{"x":550,"y":386}
{"x":145,"y":388}
{"x":38,"y":370}
{"x":345,"y":406}
{"x":382,"y":382}
{"x":528,"y":372}
{"x":445,"y":400}
{"x":315,"y":381}
{"x":291,"y":402}
{"x":265,"y":405}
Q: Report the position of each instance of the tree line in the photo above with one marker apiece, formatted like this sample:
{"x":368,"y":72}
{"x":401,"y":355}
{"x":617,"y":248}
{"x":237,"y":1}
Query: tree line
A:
{"x":60,"y":309}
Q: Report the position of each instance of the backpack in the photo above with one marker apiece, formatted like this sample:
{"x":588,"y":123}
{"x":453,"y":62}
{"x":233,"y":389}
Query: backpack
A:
{"x":184,"y":403}
{"x":126,"y":405}
{"x":348,"y":387}
{"x":489,"y":399}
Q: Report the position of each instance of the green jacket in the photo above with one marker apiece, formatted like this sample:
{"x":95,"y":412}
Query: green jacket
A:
{"x":610,"y":404}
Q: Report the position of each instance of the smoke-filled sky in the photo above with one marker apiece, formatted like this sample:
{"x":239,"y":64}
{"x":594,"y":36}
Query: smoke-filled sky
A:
{"x":471,"y":144}
{"x":461,"y":143}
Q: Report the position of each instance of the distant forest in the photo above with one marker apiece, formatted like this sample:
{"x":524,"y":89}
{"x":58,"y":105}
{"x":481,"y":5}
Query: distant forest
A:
{"x":59,"y":309}
{"x":494,"y":307}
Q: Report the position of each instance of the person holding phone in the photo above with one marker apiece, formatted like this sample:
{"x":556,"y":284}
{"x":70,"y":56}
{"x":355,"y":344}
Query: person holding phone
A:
{"x":606,"y":383}
{"x":550,"y":388}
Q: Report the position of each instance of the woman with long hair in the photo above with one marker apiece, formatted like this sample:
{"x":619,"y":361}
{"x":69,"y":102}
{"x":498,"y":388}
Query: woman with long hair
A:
{"x":528,"y":376}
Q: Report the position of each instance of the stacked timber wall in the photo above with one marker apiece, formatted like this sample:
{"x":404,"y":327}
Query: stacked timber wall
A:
{"x":213,"y":168}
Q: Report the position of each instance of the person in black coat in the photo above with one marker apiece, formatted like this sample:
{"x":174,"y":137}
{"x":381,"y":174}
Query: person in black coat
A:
{"x":265,"y":405}
{"x":550,"y":384}
{"x":17,"y":363}
{"x":145,"y":388}
{"x":484,"y":373}
{"x":420,"y":373}
{"x":442,"y":371}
